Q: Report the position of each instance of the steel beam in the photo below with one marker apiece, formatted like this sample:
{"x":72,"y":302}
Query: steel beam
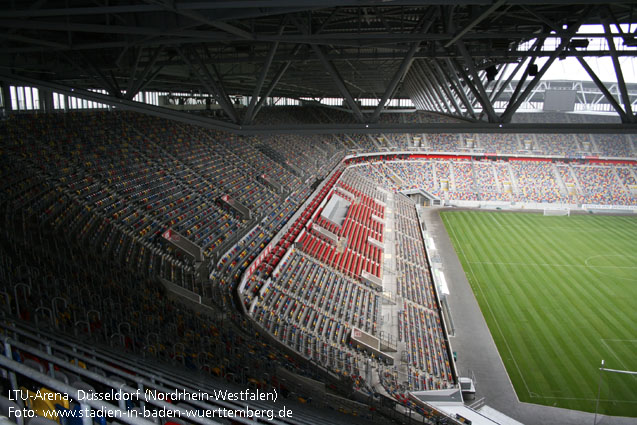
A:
{"x":445,"y":82}
{"x":423,"y":90}
{"x":338,"y":80}
{"x":478,"y":90}
{"x":419,"y":93}
{"x":261,"y":8}
{"x":541,"y":18}
{"x":539,"y":42}
{"x":428,"y":99}
{"x":150,"y":79}
{"x":400,"y":73}
{"x":470,"y":86}
{"x":414,"y":94}
{"x":439,"y":87}
{"x":463,"y":127}
{"x":333,"y":72}
{"x":264,"y":5}
{"x":433,"y":103}
{"x":515,"y":104}
{"x":473,"y":23}
{"x":502,"y":69}
{"x":249,"y":116}
{"x":392,"y":51}
{"x":271,"y":86}
{"x":229,"y":33}
{"x":603,"y":89}
{"x":433,"y":90}
{"x":496,"y":93}
{"x":132,"y":79}
{"x":119,"y":103}
{"x":618,"y":72}
{"x":284,"y":66}
{"x":45,"y":44}
{"x":114,"y":29}
{"x":196,"y":16}
{"x":457,"y":85}
{"x":218,"y":84}
{"x":404,"y":65}
{"x":101,"y":79}
{"x":6,"y":96}
{"x":140,"y":81}
{"x":211,"y":85}
{"x":416,"y":98}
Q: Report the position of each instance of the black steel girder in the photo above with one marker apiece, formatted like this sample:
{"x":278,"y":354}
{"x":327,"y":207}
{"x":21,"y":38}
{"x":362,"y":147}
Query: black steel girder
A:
{"x":368,"y":43}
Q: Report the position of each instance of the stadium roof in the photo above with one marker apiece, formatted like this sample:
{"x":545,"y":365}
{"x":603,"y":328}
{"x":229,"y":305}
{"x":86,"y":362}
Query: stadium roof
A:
{"x":456,"y":57}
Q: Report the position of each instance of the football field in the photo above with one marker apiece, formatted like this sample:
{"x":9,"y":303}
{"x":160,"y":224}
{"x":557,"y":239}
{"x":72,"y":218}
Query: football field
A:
{"x":559,"y":294}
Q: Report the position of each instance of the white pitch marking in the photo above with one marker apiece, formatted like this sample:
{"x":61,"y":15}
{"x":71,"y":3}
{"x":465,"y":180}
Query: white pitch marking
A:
{"x":453,"y":230}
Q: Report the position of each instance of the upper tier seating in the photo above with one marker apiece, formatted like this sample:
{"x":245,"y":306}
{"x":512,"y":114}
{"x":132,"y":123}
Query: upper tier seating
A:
{"x":514,"y":180}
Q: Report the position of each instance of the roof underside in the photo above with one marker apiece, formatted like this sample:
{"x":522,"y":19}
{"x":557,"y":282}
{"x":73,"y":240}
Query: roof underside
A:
{"x":433,"y":52}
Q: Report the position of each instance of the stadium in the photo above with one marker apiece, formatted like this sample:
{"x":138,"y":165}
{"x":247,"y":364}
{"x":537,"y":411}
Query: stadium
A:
{"x":318,"y":212}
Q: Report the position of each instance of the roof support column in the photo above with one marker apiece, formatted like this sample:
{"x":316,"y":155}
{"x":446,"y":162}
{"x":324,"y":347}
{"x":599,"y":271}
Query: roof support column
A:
{"x":136,"y":87}
{"x":602,"y":88}
{"x":6,"y":98}
{"x":478,"y":88}
{"x":150,"y":79}
{"x":249,"y":116}
{"x":618,"y":72}
{"x":338,"y":80}
{"x":402,"y":70}
{"x":414,"y":94}
{"x":424,"y":78}
{"x":404,"y":65}
{"x":331,"y":69}
{"x":538,"y":45}
{"x":457,"y":86}
{"x":46,"y":100}
{"x":427,"y":97}
{"x":284,"y":66}
{"x":442,"y":83}
{"x":132,"y":80}
{"x":495,"y":94}
{"x":271,"y":86}
{"x":211,"y":85}
{"x":501,"y":71}
{"x":102,"y":80}
{"x":419,"y":92}
{"x":514,"y":104}
{"x":475,"y":22}
{"x":448,"y":85}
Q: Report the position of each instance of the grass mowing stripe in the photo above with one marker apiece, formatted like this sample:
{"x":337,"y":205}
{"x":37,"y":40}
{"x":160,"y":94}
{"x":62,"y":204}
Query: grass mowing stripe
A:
{"x":551,"y":288}
{"x":490,"y":317}
{"x":572,"y":288}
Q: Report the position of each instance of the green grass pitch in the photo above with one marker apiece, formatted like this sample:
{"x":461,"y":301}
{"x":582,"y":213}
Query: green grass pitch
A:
{"x":559,"y":294}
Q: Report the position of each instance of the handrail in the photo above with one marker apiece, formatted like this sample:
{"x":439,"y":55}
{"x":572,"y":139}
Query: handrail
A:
{"x":154,"y":380}
{"x":151,"y":376}
{"x":68,"y":389}
{"x":147,"y":375}
{"x":57,"y":385}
